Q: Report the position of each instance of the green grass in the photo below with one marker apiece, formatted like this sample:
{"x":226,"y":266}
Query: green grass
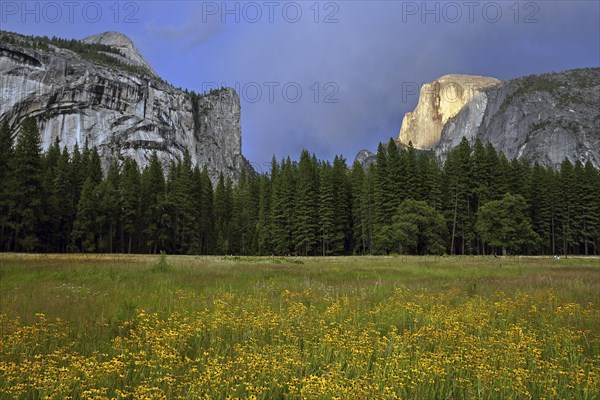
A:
{"x":326,"y":323}
{"x":98,"y":288}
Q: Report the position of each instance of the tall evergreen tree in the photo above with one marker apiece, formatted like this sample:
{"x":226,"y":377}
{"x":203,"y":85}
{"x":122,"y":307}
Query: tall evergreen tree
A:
{"x":245,"y":210}
{"x":282,"y":210}
{"x":207,"y":217}
{"x":340,"y":243}
{"x":327,"y":207}
{"x":109,"y":208}
{"x":264,"y":238}
{"x":85,"y":227}
{"x":94,"y":167}
{"x":540,"y":206}
{"x":367,"y":211}
{"x":48,"y":229}
{"x":497,"y":183}
{"x":357,"y":178}
{"x":28,"y":188}
{"x":569,"y":203}
{"x":153,"y":192}
{"x":61,"y":197}
{"x":130,"y":204}
{"x":306,"y":213}
{"x":396,"y":176}
{"x":223,"y":204}
{"x":6,"y":198}
{"x":77,"y":177}
{"x":586,"y":215}
{"x":382,"y":193}
{"x":413,"y":181}
{"x":456,"y":179}
{"x":430,"y":180}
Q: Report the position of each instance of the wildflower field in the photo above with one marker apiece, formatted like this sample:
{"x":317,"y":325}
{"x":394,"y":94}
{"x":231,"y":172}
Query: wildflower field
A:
{"x":129,"y":327}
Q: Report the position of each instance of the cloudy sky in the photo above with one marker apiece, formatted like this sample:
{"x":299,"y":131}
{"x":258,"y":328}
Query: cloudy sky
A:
{"x":334,"y":77}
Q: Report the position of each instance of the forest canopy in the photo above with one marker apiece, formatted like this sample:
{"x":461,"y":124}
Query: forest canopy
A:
{"x":406,"y":202}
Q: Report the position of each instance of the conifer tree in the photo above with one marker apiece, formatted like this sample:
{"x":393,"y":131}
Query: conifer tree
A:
{"x":540,"y":207}
{"x":496,"y":184}
{"x":282,"y":211}
{"x":61,"y":196}
{"x":396,"y":174}
{"x":207,"y":216}
{"x":340,"y":243}
{"x":109,"y":206}
{"x":130,"y":204}
{"x":94,"y":167}
{"x":85,"y":227}
{"x":245,"y":210}
{"x":357,"y":178}
{"x":153,"y":192}
{"x":27,"y":184}
{"x":264,"y":238}
{"x":77,"y":176}
{"x":382,"y":193}
{"x":367,"y":211}
{"x":413,"y":181}
{"x":223,"y":205}
{"x":568,"y":203}
{"x":306,"y":213}
{"x":430,"y":180}
{"x":6,"y":198}
{"x":456,"y":179}
{"x":327,"y":210}
{"x":48,"y":228}
{"x":587,"y":218}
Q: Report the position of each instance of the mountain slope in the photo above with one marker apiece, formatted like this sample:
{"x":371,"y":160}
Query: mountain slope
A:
{"x":109,"y":96}
{"x":544,"y":118}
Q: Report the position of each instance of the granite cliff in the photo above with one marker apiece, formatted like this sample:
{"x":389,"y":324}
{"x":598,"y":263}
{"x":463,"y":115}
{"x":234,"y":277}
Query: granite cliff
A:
{"x":440,"y":101}
{"x":102,"y":90}
{"x":544,"y":118}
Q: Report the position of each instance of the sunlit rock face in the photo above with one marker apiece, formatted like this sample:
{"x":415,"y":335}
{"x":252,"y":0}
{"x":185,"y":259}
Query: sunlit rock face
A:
{"x":122,"y":113}
{"x":544,"y":118}
{"x":439,"y":101}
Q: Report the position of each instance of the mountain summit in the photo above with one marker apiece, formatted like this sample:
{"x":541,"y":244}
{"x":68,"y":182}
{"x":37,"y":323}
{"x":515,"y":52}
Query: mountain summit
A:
{"x":129,"y":52}
{"x":440,"y":101}
{"x":101,"y":91}
{"x":544,"y":118}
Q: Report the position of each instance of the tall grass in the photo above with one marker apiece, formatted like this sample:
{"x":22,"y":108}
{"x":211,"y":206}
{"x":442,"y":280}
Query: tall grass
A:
{"x":286,"y":328}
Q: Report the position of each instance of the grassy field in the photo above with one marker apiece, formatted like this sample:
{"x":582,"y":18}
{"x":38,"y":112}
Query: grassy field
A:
{"x":76,"y":326}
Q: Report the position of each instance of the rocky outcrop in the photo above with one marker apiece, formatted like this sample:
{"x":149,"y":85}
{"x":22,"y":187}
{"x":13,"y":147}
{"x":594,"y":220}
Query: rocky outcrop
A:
{"x":439,"y":101}
{"x":129,"y":52}
{"x":122,"y":113}
{"x":544,"y":118}
{"x":365,"y":158}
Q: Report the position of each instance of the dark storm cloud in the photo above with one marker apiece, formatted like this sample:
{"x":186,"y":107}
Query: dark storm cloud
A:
{"x":370,"y":61}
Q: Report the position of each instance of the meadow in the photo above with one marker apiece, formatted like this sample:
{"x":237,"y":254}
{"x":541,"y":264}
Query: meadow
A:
{"x":187,"y":327}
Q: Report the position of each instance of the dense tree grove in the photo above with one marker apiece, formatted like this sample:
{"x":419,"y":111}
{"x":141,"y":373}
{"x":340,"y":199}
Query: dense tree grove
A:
{"x":477,"y":202}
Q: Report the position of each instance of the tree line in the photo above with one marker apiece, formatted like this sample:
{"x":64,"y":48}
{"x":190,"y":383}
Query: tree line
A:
{"x":406,"y":202}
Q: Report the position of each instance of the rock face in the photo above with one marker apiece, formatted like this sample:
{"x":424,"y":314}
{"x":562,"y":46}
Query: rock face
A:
{"x":439,"y":101}
{"x":544,"y":118}
{"x":122,"y":113}
{"x":365,"y":158}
